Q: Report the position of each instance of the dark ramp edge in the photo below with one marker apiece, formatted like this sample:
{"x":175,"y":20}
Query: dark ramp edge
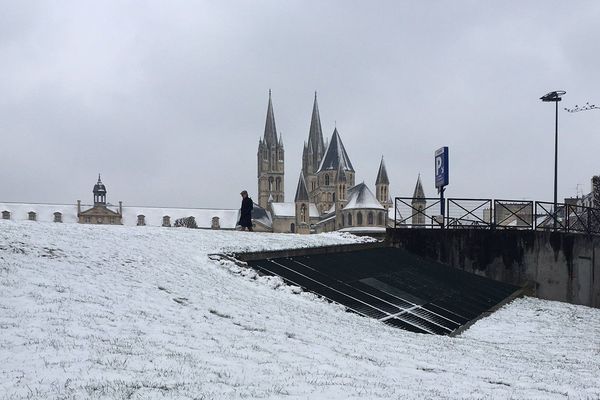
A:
{"x":391,"y":285}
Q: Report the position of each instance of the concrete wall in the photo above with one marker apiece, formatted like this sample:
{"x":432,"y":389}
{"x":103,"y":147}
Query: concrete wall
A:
{"x":562,"y":266}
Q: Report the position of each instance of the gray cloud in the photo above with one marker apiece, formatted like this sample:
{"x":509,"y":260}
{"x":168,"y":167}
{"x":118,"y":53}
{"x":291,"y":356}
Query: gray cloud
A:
{"x":168,"y":99}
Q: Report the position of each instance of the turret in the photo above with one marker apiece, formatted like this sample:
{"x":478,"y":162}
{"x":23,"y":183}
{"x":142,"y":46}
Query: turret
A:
{"x":382,"y":185}
{"x":270,"y":161}
{"x":302,"y":206}
{"x":418,"y":203}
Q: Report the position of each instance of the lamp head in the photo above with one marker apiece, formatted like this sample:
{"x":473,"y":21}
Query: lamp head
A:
{"x":553,"y":96}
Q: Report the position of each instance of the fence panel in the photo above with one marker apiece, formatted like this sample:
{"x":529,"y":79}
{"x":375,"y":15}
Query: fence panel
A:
{"x":548,"y":219}
{"x":469,"y":213}
{"x":513,"y":214}
{"x":413,"y":213}
{"x":577,"y":218}
{"x":500,"y":214}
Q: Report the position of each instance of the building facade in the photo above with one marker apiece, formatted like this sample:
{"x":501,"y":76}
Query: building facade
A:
{"x":100,"y":213}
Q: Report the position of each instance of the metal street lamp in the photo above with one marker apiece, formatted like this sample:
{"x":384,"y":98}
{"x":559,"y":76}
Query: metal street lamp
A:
{"x":555,"y":97}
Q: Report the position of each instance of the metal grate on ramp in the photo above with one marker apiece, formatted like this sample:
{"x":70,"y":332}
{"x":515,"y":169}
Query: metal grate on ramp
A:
{"x":393,"y":286}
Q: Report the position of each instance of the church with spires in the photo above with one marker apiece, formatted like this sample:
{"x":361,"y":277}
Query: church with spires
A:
{"x":327,"y":197}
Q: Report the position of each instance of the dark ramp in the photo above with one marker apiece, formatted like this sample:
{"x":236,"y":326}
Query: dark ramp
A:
{"x":391,"y":285}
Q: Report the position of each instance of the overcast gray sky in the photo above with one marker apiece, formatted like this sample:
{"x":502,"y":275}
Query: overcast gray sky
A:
{"x":168,"y":99}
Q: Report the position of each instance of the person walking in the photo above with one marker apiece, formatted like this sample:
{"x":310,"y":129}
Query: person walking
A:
{"x":246,"y":212}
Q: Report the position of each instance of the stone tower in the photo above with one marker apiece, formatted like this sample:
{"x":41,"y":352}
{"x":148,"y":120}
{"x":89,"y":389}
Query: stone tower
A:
{"x":335,"y":157}
{"x":302,"y":206}
{"x":270,"y":162}
{"x":382,"y":186}
{"x":418,"y":203}
{"x":313,"y":151}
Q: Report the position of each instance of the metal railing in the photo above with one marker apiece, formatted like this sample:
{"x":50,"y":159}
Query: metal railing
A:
{"x":464,"y":213}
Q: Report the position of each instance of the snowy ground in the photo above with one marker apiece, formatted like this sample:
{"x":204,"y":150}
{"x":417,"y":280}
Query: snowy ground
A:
{"x":141,"y":313}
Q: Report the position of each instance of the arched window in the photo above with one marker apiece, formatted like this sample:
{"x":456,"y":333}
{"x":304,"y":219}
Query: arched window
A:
{"x":326,"y":179}
{"x":334,"y":197}
{"x":370,"y":218}
{"x":270,"y":183}
{"x":5,"y":214}
{"x":278,"y":184}
{"x":31,"y":215}
{"x":349,"y":219}
{"x":343,"y":220}
{"x":57,"y":217}
{"x":380,"y":219}
{"x":303,"y":213}
{"x":293,"y":227}
{"x":166,"y":221}
{"x":359,"y":218}
{"x":141,"y":220}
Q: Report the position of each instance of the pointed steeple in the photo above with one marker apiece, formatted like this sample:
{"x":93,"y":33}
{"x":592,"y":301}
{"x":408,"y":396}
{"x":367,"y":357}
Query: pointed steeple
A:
{"x":270,"y":136}
{"x":301,"y":191}
{"x":382,"y":176}
{"x":315,"y":133}
{"x":335,"y":155}
{"x":419,"y":193}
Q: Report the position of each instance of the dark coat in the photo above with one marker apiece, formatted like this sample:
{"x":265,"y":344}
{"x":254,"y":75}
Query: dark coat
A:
{"x":246,"y":213}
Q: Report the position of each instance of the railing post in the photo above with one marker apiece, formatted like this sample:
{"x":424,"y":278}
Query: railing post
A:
{"x":589,"y":221}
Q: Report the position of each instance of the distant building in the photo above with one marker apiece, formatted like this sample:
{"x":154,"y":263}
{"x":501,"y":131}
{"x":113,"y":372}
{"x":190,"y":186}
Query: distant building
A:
{"x":326,"y":198}
{"x":100,"y":213}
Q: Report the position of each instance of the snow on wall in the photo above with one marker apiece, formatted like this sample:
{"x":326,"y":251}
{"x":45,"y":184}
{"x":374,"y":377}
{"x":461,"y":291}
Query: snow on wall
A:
{"x":289,"y":209}
{"x":153,"y":215}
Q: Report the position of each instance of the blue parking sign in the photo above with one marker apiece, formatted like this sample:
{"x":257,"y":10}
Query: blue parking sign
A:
{"x":441,"y":167}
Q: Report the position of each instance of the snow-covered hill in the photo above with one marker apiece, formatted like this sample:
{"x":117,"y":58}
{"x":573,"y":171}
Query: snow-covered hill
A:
{"x":142,"y":313}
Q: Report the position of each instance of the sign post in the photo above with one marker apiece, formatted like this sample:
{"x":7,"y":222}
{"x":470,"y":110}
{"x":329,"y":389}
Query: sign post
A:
{"x":441,"y":176}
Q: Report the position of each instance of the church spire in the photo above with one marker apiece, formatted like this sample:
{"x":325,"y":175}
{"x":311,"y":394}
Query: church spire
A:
{"x":382,"y":176}
{"x":315,"y":140}
{"x":419,"y":193}
{"x":270,"y":137}
{"x":270,"y":161}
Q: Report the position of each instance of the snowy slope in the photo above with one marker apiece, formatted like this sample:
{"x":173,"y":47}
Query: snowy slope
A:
{"x":117,"y":312}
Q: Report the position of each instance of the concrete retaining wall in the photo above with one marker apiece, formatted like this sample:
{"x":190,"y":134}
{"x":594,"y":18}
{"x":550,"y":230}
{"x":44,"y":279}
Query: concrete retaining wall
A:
{"x":562,"y":266}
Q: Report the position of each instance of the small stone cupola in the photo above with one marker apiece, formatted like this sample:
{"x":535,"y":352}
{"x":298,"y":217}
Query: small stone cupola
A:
{"x":99,"y":193}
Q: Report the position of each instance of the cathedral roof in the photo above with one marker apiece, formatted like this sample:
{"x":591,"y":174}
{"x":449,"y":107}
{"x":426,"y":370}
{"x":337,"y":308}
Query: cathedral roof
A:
{"x":419,"y":193}
{"x":336,"y":155}
{"x":382,"y":176}
{"x":270,"y":136}
{"x":301,"y":191}
{"x":289,"y":210}
{"x":360,"y":196}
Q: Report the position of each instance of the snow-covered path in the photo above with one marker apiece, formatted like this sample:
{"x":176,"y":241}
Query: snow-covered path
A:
{"x":139,"y":312}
